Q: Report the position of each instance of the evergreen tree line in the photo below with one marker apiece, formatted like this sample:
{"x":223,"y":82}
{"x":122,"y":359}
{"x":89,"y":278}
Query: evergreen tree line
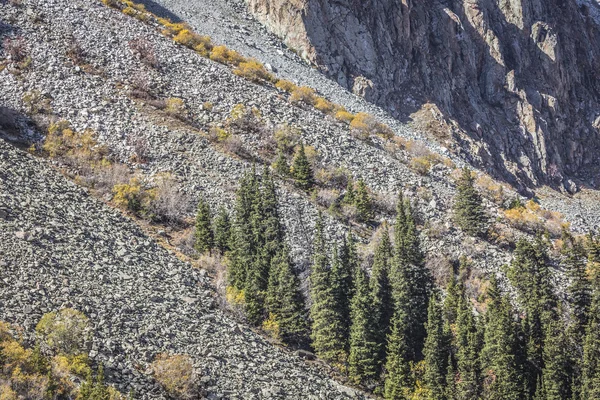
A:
{"x":392,"y":332}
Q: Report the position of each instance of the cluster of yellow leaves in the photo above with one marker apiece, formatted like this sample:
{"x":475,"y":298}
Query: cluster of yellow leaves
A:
{"x":532,"y":218}
{"x":133,"y":196}
{"x":175,"y":373}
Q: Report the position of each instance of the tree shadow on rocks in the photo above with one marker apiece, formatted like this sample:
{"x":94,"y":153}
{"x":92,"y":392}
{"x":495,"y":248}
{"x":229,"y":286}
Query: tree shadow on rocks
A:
{"x":159,"y":10}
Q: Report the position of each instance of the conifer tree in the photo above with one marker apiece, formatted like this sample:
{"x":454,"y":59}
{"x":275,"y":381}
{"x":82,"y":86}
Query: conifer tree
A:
{"x":383,"y":307}
{"x":340,"y":276}
{"x":579,"y":290}
{"x":203,"y":231}
{"x":451,"y":300}
{"x":435,"y":351}
{"x":410,"y":279}
{"x":529,"y":274}
{"x":268,"y":238}
{"x":503,"y":379}
{"x":281,"y":164}
{"x":349,"y":264}
{"x":397,"y":382}
{"x":242,"y":244}
{"x":469,"y":213}
{"x":349,"y":195}
{"x":222,"y":231}
{"x":364,"y":349}
{"x":555,"y":374}
{"x":302,"y":170}
{"x":451,"y":392}
{"x":362,"y":201}
{"x":327,"y":333}
{"x":467,"y":352}
{"x":284,"y":300}
{"x":590,"y":376}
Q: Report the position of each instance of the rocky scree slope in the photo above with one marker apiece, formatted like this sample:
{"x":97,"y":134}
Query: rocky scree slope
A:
{"x":61,"y":248}
{"x":101,"y":102}
{"x":520,"y":79}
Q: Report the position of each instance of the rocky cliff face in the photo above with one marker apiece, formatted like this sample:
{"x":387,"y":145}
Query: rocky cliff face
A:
{"x":518,"y":79}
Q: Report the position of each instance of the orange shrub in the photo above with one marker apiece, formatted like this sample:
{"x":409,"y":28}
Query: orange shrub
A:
{"x":303,"y":94}
{"x":344,"y":116}
{"x":223,"y":55}
{"x":285,"y":85}
{"x":176,"y":374}
{"x":324,"y":105}
{"x":253,"y":70}
{"x":365,"y":124}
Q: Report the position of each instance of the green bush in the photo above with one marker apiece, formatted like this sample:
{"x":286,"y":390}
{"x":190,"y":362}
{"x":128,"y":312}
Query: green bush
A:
{"x":66,"y":331}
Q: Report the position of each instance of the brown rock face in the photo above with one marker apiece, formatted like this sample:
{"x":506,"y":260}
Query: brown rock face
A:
{"x":520,"y":77}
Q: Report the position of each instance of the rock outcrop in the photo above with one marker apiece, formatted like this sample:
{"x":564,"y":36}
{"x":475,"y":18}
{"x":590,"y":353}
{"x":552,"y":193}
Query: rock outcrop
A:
{"x":519,"y":77}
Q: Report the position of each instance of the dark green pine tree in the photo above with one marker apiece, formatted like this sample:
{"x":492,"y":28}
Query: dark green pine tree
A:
{"x":451,"y":392}
{"x":302,"y":170}
{"x":383,"y":307}
{"x":410,"y":275}
{"x":503,"y":378}
{"x":222,"y":231}
{"x":327,"y":333}
{"x":203,"y":234}
{"x":435,"y":352}
{"x":468,"y":345}
{"x":100,"y":391}
{"x":556,"y":372}
{"x":579,"y":290}
{"x":451,"y":300}
{"x":285,"y":301}
{"x":469,"y":213}
{"x":362,"y":201}
{"x":342,"y":279}
{"x":364,"y":349}
{"x":529,"y":274}
{"x":268,"y":239}
{"x":243,"y":245}
{"x":398,"y":380}
{"x":349,"y":195}
{"x":281,"y":165}
{"x":591,"y":352}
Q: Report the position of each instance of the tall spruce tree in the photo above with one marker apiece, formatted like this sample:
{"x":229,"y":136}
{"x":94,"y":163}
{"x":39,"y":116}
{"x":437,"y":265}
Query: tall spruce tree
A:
{"x":503,"y":379}
{"x":383,"y":307}
{"x":281,"y":164}
{"x":556,"y":372}
{"x":469,"y":213}
{"x":436,"y":351}
{"x":284,"y":300}
{"x":529,"y":273}
{"x":243,"y":245}
{"x":364,"y":348}
{"x":327,"y":333}
{"x":268,"y":240}
{"x":579,"y":290}
{"x":222,"y":231}
{"x":591,"y":353}
{"x":344,"y":285}
{"x":362,"y":201}
{"x":301,"y":169}
{"x":410,"y":278}
{"x":203,"y":234}
{"x":350,"y":194}
{"x":468,"y":345}
{"x":398,"y":380}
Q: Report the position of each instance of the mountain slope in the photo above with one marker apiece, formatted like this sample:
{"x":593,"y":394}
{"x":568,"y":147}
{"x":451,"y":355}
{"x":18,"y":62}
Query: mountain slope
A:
{"x":61,"y":248}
